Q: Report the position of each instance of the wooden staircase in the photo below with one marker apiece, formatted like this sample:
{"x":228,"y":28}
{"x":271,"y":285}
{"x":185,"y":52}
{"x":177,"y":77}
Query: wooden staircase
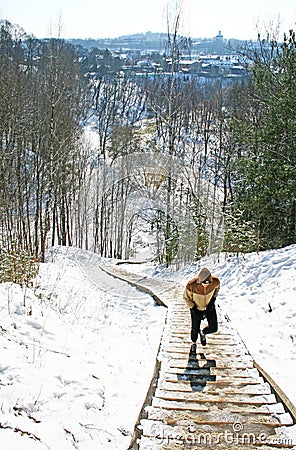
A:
{"x":205,"y":397}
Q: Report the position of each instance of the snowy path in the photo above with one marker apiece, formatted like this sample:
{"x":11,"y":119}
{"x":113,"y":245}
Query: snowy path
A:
{"x":77,"y":352}
{"x":78,"y":349}
{"x":214,"y":396}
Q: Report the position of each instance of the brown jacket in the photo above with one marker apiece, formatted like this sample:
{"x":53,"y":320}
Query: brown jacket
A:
{"x":200,"y":295}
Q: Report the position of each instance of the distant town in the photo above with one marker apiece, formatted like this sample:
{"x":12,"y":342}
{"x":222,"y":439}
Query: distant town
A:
{"x":148,"y":54}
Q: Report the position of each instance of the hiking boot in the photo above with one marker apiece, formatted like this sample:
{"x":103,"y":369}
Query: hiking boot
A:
{"x":203,"y":340}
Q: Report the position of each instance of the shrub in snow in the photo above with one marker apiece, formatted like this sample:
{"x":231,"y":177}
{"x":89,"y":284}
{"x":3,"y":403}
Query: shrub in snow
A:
{"x":18,"y":266}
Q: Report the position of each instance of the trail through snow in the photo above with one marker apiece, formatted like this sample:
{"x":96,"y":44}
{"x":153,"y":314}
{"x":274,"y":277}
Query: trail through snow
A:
{"x":78,"y":348}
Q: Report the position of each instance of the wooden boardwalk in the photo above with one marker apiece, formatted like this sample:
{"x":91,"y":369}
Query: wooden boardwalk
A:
{"x":205,"y":397}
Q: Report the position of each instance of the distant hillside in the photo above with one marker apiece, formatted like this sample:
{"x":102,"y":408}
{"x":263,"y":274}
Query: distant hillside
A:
{"x":157,"y":42}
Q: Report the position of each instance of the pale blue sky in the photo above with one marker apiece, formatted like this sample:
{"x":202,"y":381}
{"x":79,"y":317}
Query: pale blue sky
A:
{"x":112,"y":18}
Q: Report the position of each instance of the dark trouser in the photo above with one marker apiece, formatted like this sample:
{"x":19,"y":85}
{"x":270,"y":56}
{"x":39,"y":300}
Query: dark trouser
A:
{"x":196,"y":318}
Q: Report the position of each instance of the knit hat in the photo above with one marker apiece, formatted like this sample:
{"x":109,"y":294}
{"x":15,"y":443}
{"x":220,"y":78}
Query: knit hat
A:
{"x":203,"y":275}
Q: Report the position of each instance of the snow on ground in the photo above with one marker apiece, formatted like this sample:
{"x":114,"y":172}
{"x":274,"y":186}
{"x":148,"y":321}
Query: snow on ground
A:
{"x":77,"y":356}
{"x":77,"y":351}
{"x":259,"y":295}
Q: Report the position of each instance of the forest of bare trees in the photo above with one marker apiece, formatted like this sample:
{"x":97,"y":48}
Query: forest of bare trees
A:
{"x":113,"y":163}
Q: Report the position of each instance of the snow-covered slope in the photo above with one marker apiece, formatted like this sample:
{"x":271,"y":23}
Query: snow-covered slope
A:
{"x":77,"y":350}
{"x":77,"y":353}
{"x":259,"y":295}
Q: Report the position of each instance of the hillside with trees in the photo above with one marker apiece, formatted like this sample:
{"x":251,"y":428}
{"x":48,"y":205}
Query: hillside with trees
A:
{"x":186,"y":165}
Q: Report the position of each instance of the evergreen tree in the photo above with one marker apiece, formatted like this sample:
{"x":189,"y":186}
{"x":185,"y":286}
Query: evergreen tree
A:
{"x":264,"y":172}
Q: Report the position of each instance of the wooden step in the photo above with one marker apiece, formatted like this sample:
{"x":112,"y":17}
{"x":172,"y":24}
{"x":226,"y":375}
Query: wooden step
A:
{"x":186,"y":347}
{"x":276,"y":408}
{"x":211,"y":343}
{"x":220,"y":379}
{"x":200,"y":397}
{"x":218,"y":417}
{"x":162,"y":443}
{"x":215,"y":387}
{"x":206,"y":352}
{"x":226,"y":359}
{"x":218,"y":372}
{"x":185,"y":428}
{"x":208,"y":364}
{"x":235,"y":384}
{"x":184,"y":333}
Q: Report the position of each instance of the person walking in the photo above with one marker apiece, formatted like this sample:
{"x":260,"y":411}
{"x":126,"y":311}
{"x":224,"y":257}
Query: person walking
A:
{"x":200,"y":295}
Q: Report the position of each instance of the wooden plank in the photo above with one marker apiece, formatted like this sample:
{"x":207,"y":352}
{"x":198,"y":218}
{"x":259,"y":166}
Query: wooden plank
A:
{"x":175,"y":361}
{"x":220,"y":333}
{"x":173,"y":405}
{"x":207,"y":354}
{"x":232,"y":372}
{"x":220,"y":380}
{"x":150,"y":443}
{"x":185,"y":427}
{"x":214,"y":388}
{"x":245,"y":381}
{"x":185,"y":347}
{"x":186,"y":340}
{"x":217,"y":417}
{"x":248,"y":432}
{"x":206,"y":351}
{"x":209,"y":364}
{"x":183,"y":333}
{"x":221,"y":351}
{"x":229,"y":359}
{"x":200,"y":397}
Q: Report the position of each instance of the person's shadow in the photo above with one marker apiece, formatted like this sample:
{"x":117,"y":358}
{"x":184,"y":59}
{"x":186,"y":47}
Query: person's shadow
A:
{"x":197,"y":374}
